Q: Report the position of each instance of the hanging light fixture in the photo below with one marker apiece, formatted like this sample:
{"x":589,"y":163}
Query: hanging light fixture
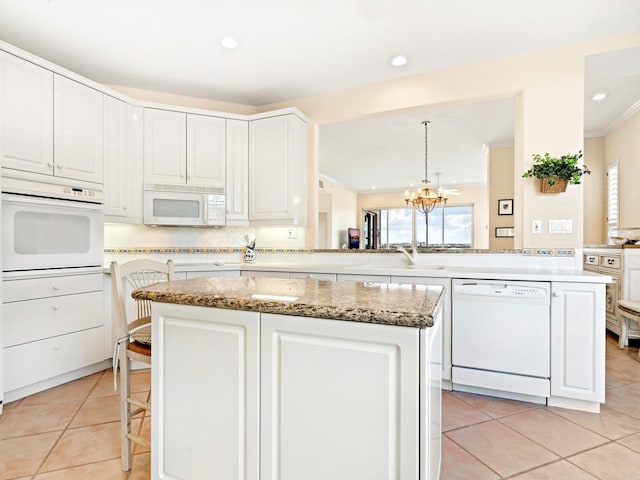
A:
{"x":425,"y":199}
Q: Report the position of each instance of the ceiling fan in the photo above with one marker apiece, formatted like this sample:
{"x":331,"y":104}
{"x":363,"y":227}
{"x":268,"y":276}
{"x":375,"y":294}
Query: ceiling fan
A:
{"x":446,"y":191}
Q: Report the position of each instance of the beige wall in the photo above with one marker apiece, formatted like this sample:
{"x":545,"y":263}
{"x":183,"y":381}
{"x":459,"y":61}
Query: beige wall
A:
{"x":623,"y":143}
{"x":476,"y":196}
{"x":341,"y":208}
{"x":594,"y":191}
{"x":549,"y":87}
{"x":500,"y":187}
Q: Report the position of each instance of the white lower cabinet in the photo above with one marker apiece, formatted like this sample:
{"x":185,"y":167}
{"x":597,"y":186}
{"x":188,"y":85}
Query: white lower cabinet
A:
{"x":577,"y":344}
{"x":444,"y":282}
{"x":339,"y":400}
{"x":205,"y":390}
{"x":52,"y":326}
{"x":243,"y":395}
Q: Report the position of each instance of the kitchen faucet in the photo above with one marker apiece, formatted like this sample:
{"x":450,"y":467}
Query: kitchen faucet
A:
{"x":413,"y":256}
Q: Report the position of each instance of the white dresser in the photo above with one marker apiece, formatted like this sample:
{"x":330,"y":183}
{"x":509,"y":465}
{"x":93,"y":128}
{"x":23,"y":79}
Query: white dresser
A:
{"x":623,"y":265}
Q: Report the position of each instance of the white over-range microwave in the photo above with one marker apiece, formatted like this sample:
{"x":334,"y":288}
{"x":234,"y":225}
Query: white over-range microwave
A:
{"x":184,"y":205}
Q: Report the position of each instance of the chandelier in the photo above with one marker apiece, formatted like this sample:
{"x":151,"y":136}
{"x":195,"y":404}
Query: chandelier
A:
{"x":425,"y":199}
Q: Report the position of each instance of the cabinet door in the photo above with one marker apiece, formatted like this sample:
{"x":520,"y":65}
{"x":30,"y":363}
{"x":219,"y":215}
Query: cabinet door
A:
{"x":578,"y":341}
{"x":277,"y":170}
{"x":26,"y":115}
{"x":122,"y":159}
{"x":205,"y":382}
{"x":165,"y":147}
{"x":237,"y":172}
{"x":205,"y":150}
{"x":79,"y":128}
{"x":339,"y":400}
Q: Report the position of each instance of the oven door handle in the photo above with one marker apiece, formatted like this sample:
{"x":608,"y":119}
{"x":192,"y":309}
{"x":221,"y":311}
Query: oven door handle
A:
{"x":49,"y":202}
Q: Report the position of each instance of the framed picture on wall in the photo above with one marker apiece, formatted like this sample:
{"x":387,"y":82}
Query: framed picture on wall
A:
{"x":505,"y":206}
{"x":504,"y":232}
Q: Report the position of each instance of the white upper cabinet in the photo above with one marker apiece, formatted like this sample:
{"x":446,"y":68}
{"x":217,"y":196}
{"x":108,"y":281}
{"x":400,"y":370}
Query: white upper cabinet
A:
{"x":277,"y":170}
{"x":165,"y":146}
{"x":206,"y":150}
{"x":122,"y":161}
{"x":183,"y":148}
{"x":26,"y":115}
{"x":79,"y":129}
{"x":237,"y":172}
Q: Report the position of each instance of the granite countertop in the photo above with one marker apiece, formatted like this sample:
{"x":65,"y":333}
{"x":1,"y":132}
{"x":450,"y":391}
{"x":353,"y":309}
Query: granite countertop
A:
{"x":390,"y":304}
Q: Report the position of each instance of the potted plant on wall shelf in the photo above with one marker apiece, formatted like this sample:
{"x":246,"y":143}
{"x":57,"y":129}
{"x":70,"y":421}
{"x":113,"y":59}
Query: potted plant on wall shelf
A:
{"x":556,"y":172}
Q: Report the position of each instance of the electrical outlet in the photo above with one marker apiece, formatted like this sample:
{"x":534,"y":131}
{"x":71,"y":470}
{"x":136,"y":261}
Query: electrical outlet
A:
{"x":536,"y":226}
{"x":292,"y":233}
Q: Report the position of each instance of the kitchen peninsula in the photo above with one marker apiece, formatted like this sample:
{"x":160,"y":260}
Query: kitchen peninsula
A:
{"x":288,"y":378}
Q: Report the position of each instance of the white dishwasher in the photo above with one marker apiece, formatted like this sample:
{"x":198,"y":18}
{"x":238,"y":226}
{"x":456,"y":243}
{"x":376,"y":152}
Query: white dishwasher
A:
{"x":500,"y":338}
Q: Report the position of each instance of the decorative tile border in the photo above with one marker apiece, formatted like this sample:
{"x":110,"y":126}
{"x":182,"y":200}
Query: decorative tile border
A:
{"x":549,"y":252}
{"x":206,"y":250}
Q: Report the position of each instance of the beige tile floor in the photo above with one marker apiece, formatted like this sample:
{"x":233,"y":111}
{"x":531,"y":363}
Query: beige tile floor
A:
{"x":72,"y":432}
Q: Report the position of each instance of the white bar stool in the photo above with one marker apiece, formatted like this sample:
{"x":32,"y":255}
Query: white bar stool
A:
{"x":629,"y":311}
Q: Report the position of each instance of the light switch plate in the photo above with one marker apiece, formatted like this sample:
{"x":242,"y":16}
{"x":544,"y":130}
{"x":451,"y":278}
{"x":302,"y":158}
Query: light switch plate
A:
{"x":560,"y":226}
{"x":536,"y":226}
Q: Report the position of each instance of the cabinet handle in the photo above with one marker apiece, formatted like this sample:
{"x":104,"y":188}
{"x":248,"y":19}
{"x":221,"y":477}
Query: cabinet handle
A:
{"x":56,"y":347}
{"x":610,"y":261}
{"x":555,"y":294}
{"x":50,"y":164}
{"x":55,"y":287}
{"x":310,"y":275}
{"x":56,"y":307}
{"x":59,"y":166}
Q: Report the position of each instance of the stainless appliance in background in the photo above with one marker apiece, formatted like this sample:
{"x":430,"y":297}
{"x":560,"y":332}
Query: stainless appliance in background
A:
{"x":50,"y":225}
{"x":184,"y":205}
{"x":501,"y":338}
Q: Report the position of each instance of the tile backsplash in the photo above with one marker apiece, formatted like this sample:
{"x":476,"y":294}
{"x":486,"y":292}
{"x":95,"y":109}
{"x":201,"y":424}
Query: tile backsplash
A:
{"x":131,"y":236}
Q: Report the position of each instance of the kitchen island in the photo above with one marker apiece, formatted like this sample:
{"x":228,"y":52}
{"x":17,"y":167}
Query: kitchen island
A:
{"x":295,"y":379}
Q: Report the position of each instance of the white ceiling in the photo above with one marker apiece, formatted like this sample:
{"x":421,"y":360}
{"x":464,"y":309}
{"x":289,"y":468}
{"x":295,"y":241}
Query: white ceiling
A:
{"x":294,"y":48}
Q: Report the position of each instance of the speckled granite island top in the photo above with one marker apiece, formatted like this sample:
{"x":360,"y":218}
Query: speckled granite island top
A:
{"x":391,"y":304}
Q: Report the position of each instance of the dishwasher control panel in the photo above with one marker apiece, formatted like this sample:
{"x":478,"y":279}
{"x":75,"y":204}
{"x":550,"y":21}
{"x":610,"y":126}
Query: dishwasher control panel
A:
{"x":502,"y":289}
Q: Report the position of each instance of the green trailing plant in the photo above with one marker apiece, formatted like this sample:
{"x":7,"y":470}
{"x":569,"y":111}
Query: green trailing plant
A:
{"x":553,"y":168}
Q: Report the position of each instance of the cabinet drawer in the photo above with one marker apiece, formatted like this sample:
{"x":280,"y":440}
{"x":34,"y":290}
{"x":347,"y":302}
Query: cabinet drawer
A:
{"x":47,"y":317}
{"x":313,"y":276}
{"x":30,"y":288}
{"x":214,"y":273}
{"x":610,"y":261}
{"x":259,"y":273}
{"x":592,"y":260}
{"x":37,"y":361}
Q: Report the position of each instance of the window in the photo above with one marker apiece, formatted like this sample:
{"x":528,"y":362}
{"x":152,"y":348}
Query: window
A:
{"x":613,"y":201}
{"x":447,"y":226}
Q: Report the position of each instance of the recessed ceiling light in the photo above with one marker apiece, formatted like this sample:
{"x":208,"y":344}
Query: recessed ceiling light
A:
{"x":599,"y":96}
{"x":398,"y":61}
{"x":229,"y":42}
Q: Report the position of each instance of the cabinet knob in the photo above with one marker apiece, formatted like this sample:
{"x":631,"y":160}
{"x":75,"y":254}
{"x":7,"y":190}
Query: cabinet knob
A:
{"x":55,"y":287}
{"x":50,"y":164}
{"x":56,"y":307}
{"x":555,"y":294}
{"x":59,"y":166}
{"x":56,"y":347}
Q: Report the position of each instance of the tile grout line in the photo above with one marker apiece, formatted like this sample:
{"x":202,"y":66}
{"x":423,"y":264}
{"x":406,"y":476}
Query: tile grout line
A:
{"x":37,"y":472}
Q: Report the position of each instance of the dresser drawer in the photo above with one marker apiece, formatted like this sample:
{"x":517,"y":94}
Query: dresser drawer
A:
{"x":610,"y":261}
{"x":47,"y":317}
{"x":591,"y":259}
{"x":36,"y":361}
{"x":30,"y":288}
